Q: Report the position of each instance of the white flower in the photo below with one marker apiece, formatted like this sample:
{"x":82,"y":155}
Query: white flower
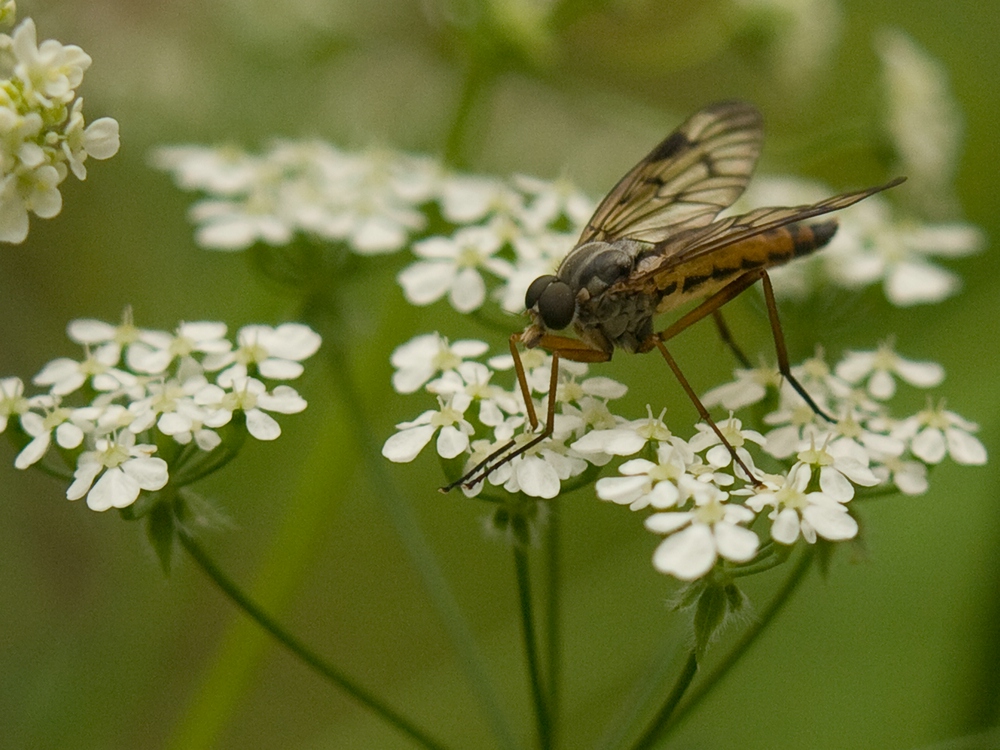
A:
{"x":99,"y":139}
{"x":156,"y":350}
{"x":923,"y":119}
{"x":448,"y":423}
{"x":749,"y":387}
{"x":275,"y":353}
{"x":66,"y":424}
{"x":629,"y":437}
{"x":910,"y":477}
{"x":124,"y":469}
{"x":936,"y":432}
{"x":718,"y":455}
{"x":648,"y":484}
{"x":879,"y":367}
{"x":552,"y":200}
{"x":170,"y":405}
{"x":67,"y":375}
{"x":452,"y":266}
{"x":467,"y":199}
{"x":236,"y":225}
{"x":50,"y":71}
{"x":12,"y":400}
{"x":841,"y":465}
{"x":424,"y":356}
{"x":796,"y":511}
{"x":870,"y":246}
{"x":697,"y":538}
{"x":223,"y":170}
{"x":250,"y":396}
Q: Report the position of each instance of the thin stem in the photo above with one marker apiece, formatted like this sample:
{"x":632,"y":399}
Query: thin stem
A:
{"x":309,"y":657}
{"x":756,"y":628}
{"x":530,"y":648}
{"x":662,"y":719}
{"x":552,"y":617}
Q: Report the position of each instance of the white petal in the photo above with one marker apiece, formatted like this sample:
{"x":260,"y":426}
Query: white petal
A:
{"x":293,"y":341}
{"x":734,"y":542}
{"x":882,"y":385}
{"x":280,"y":369}
{"x":835,"y":485}
{"x":965,"y":448}
{"x":920,"y":374}
{"x":688,"y":554}
{"x":914,"y":283}
{"x":404,"y":446}
{"x":664,"y":495}
{"x":409,"y":379}
{"x":115,"y":489}
{"x":785,"y":529}
{"x":831,"y":521}
{"x":262,"y":426}
{"x":32,"y":452}
{"x":90,"y":331}
{"x":424,"y":283}
{"x":667,"y":523}
{"x":149,"y":472}
{"x":929,"y":445}
{"x":621,"y":490}
{"x":468,"y":291}
{"x":537,"y":478}
{"x":451,"y":442}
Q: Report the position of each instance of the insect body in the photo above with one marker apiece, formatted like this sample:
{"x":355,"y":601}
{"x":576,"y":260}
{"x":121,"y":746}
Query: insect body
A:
{"x":655,"y":243}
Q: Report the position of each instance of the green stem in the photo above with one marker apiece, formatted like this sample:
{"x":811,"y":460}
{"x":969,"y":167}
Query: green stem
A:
{"x":757,"y":627}
{"x":472,"y":84}
{"x":552,"y":617}
{"x":404,"y":522}
{"x":662,"y":719}
{"x":309,"y":657}
{"x":530,"y":649}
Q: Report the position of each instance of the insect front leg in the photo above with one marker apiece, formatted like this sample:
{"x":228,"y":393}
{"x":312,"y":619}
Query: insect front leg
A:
{"x":559,"y":346}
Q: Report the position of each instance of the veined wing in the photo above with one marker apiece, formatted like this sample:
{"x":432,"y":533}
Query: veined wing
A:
{"x":699,"y":242}
{"x":683,"y":183}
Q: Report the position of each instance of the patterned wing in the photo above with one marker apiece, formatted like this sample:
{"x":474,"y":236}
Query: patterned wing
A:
{"x":699,"y":242}
{"x":683,"y":183}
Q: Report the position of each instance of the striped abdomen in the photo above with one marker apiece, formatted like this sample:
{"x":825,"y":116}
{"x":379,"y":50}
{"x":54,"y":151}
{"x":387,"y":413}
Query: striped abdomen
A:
{"x":701,"y":277}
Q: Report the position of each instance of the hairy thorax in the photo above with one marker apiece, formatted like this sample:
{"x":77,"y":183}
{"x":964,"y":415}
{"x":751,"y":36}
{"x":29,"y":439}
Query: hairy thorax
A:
{"x":608,"y":319}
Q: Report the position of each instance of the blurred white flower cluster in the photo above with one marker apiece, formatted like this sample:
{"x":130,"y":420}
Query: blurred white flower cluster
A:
{"x":142,"y":403}
{"x":479,"y":238}
{"x":872,"y":245}
{"x":43,"y":135}
{"x":807,"y":469}
{"x":464,"y":230}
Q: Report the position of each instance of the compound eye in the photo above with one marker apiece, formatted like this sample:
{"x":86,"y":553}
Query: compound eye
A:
{"x":557,"y":305}
{"x":538,"y":286}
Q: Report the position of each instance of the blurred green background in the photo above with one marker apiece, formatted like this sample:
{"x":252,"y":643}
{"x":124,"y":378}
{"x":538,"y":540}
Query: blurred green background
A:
{"x":898,"y":647}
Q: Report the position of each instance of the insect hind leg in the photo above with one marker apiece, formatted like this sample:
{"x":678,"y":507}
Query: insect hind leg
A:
{"x":782,"y":351}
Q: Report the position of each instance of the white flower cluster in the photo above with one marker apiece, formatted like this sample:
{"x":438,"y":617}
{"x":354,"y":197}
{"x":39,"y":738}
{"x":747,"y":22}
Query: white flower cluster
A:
{"x":806,"y":468}
{"x":43,"y":135}
{"x":147,"y":392}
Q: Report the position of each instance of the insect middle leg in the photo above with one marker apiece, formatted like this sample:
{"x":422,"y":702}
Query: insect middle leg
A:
{"x":711,"y":307}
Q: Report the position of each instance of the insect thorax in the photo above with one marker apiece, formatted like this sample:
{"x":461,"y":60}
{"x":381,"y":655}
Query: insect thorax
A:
{"x":606,"y":320}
